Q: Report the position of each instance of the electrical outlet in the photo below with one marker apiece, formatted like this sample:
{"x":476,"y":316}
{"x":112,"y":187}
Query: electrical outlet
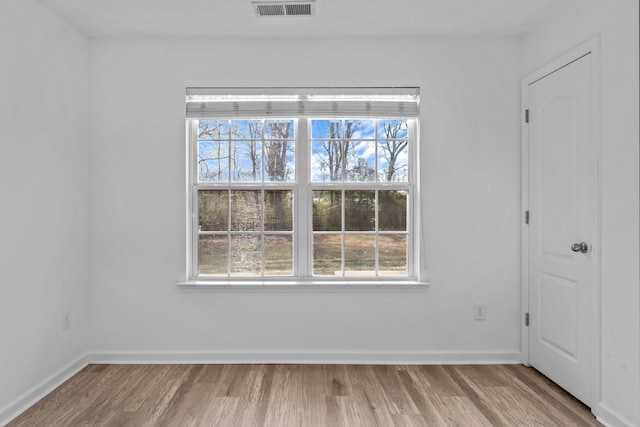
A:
{"x":66,"y":321}
{"x":480,"y":311}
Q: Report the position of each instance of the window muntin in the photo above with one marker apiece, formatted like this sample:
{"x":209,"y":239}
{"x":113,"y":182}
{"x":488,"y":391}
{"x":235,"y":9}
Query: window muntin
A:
{"x":248,"y":221}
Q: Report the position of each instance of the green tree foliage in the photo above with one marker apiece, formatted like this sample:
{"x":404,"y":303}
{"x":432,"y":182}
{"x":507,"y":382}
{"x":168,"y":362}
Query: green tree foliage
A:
{"x":392,"y":210}
{"x":278,"y":211}
{"x":327,"y":211}
{"x":213,"y":210}
{"x":360,"y":210}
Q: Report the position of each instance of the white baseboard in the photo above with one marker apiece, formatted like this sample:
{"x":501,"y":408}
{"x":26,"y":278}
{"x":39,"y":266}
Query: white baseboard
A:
{"x":29,"y":398}
{"x":609,"y":417}
{"x":310,"y":357}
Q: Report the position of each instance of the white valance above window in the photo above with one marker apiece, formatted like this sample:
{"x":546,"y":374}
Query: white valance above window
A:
{"x":386,"y":102}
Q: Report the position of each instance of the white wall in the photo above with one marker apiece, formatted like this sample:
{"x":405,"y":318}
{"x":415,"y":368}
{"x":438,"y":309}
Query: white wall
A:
{"x":617,"y":24}
{"x":470,"y":160}
{"x":44,"y":186}
{"x":470,"y":164}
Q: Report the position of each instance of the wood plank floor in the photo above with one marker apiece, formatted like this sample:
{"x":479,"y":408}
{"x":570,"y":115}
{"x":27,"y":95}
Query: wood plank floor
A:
{"x":307,"y":395}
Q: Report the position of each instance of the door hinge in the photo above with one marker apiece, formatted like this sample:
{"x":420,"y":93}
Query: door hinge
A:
{"x":526,"y":217}
{"x":526,"y":115}
{"x":526,"y":319}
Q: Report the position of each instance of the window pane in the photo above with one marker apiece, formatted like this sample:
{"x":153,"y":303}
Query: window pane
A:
{"x":278,"y":255}
{"x":359,"y":129}
{"x":327,"y":255}
{"x":279,"y":129}
{"x":279,"y":161}
{"x":245,"y":255}
{"x":361,"y":161}
{"x":246,"y":129}
{"x":212,"y":255}
{"x":327,"y":210}
{"x":278,"y":210}
{"x":326,"y":161}
{"x":392,"y":254}
{"x":326,"y":129}
{"x":246,"y":210}
{"x":246,"y":161}
{"x":213,"y":210}
{"x":392,"y":210}
{"x":213,"y":129}
{"x":213,"y":161}
{"x":393,"y":161}
{"x":360,"y":255}
{"x":392,"y":129}
{"x":359,"y":210}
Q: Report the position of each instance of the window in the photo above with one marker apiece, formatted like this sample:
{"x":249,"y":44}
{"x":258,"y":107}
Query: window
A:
{"x":300,"y":186}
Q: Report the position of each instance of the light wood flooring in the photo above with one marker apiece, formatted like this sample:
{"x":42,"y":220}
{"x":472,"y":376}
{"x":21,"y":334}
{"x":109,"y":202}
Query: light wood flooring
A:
{"x":307,"y":395}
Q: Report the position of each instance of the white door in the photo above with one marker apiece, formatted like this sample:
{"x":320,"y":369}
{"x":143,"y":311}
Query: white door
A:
{"x":561,"y":205}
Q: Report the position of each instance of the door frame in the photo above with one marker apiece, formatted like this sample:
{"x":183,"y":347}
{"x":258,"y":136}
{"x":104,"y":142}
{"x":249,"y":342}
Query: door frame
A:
{"x":591,"y":46}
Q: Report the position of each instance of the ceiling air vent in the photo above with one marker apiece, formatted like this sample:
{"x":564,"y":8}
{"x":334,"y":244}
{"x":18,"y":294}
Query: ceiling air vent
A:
{"x":286,"y":8}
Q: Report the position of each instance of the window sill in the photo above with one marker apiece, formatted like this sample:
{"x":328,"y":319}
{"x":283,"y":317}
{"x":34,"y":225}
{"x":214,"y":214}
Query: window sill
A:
{"x":342,"y":286}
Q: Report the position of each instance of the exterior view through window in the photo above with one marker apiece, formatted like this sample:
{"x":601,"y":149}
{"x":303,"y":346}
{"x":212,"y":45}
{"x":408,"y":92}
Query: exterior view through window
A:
{"x":246,"y":175}
{"x":301,"y":198}
{"x":360,"y":218}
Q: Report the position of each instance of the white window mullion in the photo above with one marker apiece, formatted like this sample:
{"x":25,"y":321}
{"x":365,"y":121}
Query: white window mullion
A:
{"x":377,"y":233}
{"x":377,"y":144}
{"x":262,"y":150}
{"x":263,"y":207}
{"x":302,"y":234}
{"x":413,"y":203}
{"x":229,"y":180}
{"x":193,"y":195}
{"x":342,"y":234}
{"x":228,"y":232}
{"x":377,"y":178}
{"x":195,"y":230}
{"x":229,"y":155}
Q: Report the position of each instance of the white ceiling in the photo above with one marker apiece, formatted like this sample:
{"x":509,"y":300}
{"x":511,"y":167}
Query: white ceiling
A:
{"x":334,"y":18}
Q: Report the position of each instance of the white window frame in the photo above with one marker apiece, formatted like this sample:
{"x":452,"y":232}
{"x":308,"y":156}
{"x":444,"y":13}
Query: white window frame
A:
{"x":302,"y":230}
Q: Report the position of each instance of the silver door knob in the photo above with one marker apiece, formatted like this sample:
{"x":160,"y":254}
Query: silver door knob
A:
{"x":580,"y":247}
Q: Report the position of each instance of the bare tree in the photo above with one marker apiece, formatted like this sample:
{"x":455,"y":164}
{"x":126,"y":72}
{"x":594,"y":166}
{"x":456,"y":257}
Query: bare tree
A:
{"x":393,"y":147}
{"x":361,"y":171}
{"x":335,"y":152}
{"x":276,"y":150}
{"x":254,"y":149}
{"x":211,"y":130}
